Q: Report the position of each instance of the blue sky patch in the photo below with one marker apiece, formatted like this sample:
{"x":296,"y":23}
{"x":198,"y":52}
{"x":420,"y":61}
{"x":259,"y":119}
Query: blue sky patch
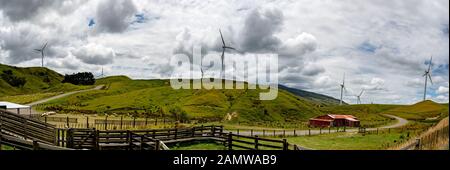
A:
{"x":91,"y":23}
{"x":367,"y":47}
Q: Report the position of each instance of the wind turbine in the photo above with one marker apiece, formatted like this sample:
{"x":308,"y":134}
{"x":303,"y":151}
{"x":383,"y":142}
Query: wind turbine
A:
{"x":427,"y":76}
{"x":342,"y":89}
{"x":359,"y":97}
{"x":224,"y":46}
{"x":102,"y":73}
{"x":41,"y":50}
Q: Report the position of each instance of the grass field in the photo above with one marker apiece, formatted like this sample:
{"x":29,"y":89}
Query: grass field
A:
{"x":348,"y":141}
{"x":4,"y":147}
{"x":198,"y":146}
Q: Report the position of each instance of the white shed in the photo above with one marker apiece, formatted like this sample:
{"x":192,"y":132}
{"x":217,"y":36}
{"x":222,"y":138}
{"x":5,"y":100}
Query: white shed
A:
{"x":13,"y":106}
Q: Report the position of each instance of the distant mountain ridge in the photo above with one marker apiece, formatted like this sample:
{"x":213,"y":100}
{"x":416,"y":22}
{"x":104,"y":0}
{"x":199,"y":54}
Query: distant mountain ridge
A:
{"x":321,"y":99}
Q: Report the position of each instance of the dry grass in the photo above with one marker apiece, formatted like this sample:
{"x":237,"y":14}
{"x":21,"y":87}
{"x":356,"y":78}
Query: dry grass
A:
{"x":434,"y":138}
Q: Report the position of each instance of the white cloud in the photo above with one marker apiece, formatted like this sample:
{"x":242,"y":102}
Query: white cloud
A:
{"x":379,"y":45}
{"x":442,"y":90}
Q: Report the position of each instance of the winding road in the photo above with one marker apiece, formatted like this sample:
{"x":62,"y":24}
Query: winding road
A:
{"x":60,"y":96}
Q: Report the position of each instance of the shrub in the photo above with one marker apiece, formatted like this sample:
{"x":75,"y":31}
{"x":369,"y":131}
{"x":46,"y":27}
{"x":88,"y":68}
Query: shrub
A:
{"x":84,"y":78}
{"x":13,"y":80}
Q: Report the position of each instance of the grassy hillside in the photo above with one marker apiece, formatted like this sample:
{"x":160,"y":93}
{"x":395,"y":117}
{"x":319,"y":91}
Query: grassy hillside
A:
{"x":421,"y":111}
{"x":39,"y":82}
{"x":125,"y":96}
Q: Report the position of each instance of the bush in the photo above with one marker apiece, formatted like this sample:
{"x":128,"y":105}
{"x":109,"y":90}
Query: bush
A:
{"x":11,"y":79}
{"x":84,"y":78}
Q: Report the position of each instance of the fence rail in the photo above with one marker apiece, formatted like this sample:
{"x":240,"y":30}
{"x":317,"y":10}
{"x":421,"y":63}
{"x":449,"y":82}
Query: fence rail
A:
{"x":27,"y":128}
{"x":156,"y":139}
{"x":434,"y":138}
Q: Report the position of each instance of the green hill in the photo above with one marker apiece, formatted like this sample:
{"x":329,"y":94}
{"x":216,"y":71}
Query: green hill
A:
{"x":420,"y":111}
{"x":126,"y":96}
{"x":39,"y":82}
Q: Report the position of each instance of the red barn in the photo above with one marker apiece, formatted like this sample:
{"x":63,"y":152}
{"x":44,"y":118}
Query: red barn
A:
{"x":334,"y":121}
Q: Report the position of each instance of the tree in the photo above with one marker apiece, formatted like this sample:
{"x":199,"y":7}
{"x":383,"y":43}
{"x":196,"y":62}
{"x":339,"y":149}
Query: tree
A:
{"x":84,"y":78}
{"x":13,"y":80}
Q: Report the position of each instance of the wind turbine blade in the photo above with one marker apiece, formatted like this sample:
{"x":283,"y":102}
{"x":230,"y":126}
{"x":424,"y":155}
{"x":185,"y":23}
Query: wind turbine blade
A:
{"x":429,"y":76}
{"x":230,"y":48}
{"x":343,"y":80}
{"x":43,"y":47}
{"x":362,"y":91}
{"x":37,"y":50}
{"x":221,"y":36}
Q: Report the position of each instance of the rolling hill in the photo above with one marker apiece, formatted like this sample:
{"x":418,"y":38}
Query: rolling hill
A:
{"x":38,"y":80}
{"x":421,"y":110}
{"x":127,"y":96}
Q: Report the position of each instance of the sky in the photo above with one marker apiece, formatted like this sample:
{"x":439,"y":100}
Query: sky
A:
{"x":382,"y":46}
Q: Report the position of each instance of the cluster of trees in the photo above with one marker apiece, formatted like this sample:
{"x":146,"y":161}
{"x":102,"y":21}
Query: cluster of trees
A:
{"x":13,"y":80}
{"x":84,"y":78}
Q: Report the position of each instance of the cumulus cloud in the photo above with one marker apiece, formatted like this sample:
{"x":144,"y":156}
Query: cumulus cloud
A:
{"x":259,"y":28}
{"x":115,"y":15}
{"x":312,"y":70}
{"x":18,"y":10}
{"x":380,"y":45}
{"x":95,"y":54}
{"x":300,"y":45}
{"x":442,"y":90}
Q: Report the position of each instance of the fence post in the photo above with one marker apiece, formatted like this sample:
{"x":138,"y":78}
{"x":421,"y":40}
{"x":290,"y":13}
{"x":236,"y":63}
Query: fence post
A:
{"x":230,"y":141}
{"x":344,"y":128}
{"x":45,"y":119}
{"x":377,"y":131}
{"x":25,"y":124}
{"x":309,"y":132}
{"x":87,"y":122}
{"x":329,"y":129}
{"x":251,"y":132}
{"x":284,"y":133}
{"x":1,"y":123}
{"x":69,"y":138}
{"x":35,"y":145}
{"x":417,"y":147}
{"x":176,"y":131}
{"x":264,"y":132}
{"x":285,"y":144}
{"x":134,"y":121}
{"x":320,"y":130}
{"x":213,"y":130}
{"x":295,"y":134}
{"x":121,"y":119}
{"x":256,"y":142}
{"x":156,"y":121}
{"x":157,"y":144}
{"x":193,"y":131}
{"x":106,"y":122}
{"x":146,"y":121}
{"x":67,"y":122}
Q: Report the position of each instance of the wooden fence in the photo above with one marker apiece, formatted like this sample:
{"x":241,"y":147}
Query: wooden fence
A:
{"x":155,"y":139}
{"x":27,"y":128}
{"x":434,"y":138}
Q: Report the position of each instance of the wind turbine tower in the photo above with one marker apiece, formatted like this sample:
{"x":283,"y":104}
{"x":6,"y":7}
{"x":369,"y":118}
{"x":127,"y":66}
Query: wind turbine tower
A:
{"x":41,"y":50}
{"x":342,"y":89}
{"x":224,"y":46}
{"x":427,"y":76}
{"x":359,"y":97}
